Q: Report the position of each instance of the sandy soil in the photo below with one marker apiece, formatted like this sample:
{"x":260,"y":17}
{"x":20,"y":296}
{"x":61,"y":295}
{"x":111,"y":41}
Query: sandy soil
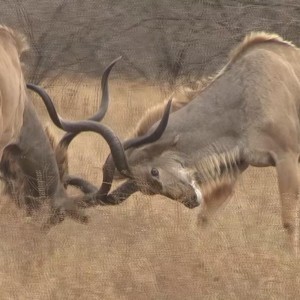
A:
{"x":148,"y":247}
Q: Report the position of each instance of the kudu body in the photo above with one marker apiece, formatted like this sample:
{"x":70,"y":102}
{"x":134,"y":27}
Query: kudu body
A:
{"x":29,"y":164}
{"x":247,"y":116}
{"x":12,"y":85}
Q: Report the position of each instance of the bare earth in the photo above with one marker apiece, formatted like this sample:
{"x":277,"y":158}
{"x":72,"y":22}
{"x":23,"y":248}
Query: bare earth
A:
{"x":146,"y":248}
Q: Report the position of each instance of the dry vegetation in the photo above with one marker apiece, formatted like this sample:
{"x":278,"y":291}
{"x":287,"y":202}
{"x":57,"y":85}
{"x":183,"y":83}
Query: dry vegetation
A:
{"x":146,"y":248}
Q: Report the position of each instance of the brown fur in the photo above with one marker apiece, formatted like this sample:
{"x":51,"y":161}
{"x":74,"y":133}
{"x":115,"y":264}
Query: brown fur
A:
{"x":14,"y":178}
{"x":254,"y":38}
{"x":13,"y":44}
{"x":185,"y":92}
{"x":182,"y":95}
{"x":261,"y":82}
{"x":18,"y":38}
{"x":12,"y":100}
{"x":30,"y":169}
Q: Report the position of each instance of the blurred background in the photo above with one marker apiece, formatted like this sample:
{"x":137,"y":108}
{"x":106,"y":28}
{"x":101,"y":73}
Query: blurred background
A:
{"x":148,"y":247}
{"x":159,"y":40}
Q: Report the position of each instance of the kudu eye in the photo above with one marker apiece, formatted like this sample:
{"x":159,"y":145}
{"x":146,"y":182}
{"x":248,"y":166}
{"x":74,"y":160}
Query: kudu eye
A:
{"x":154,"y":172}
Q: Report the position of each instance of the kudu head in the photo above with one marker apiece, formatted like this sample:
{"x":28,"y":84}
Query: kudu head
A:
{"x":156,"y":167}
{"x":143,"y":160}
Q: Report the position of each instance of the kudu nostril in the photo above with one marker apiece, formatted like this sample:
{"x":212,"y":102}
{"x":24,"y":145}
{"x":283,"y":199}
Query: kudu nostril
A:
{"x":194,"y":198}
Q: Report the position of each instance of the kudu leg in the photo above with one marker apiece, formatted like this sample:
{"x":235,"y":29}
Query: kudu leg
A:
{"x":288,"y":182}
{"x":214,"y":199}
{"x":67,"y":207}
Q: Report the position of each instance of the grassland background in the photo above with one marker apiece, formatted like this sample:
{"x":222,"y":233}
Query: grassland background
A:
{"x":159,"y":40}
{"x":148,"y":247}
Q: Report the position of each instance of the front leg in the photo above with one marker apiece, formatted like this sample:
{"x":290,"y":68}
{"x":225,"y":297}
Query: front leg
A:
{"x":288,"y":183}
{"x":63,"y":206}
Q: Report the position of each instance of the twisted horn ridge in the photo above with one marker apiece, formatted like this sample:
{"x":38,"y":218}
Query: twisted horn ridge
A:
{"x":68,"y":137}
{"x":109,"y":166}
{"x":151,"y":137}
{"x":85,"y":186}
{"x":118,"y":196}
{"x":48,"y":103}
{"x":117,"y":158}
{"x":90,"y":198}
{"x":76,"y":127}
{"x":101,"y":197}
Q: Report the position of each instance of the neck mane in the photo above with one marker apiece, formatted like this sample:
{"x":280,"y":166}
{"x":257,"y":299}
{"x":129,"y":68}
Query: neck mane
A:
{"x":218,"y":164}
{"x":184,"y":93}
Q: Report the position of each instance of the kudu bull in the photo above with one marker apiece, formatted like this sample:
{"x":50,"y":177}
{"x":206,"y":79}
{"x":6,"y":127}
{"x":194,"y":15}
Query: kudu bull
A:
{"x":12,"y":86}
{"x":247,"y":116}
{"x":29,"y":160}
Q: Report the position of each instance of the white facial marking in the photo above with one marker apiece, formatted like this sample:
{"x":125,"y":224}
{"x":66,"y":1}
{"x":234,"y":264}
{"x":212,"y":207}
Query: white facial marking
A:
{"x":186,"y":175}
{"x":197,"y":191}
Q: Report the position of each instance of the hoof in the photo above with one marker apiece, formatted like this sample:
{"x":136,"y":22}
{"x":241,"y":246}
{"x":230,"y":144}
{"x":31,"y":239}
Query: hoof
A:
{"x":288,"y":228}
{"x":202,"y":221}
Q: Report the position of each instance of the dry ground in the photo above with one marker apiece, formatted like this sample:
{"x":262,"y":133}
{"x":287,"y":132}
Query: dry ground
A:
{"x":146,"y":248}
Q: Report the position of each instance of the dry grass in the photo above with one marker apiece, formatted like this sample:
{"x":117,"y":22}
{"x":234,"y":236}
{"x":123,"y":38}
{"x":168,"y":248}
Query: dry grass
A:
{"x":146,"y":248}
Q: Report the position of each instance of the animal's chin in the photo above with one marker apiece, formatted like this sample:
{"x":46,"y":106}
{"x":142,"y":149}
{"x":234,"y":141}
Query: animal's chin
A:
{"x":194,"y":200}
{"x":190,"y":204}
{"x":147,"y":192}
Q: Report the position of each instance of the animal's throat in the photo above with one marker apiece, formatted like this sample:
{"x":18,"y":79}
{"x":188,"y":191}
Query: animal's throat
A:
{"x":214,"y":168}
{"x":198,"y":191}
{"x":206,"y":176}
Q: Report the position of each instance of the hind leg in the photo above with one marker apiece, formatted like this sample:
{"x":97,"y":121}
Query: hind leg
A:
{"x":288,"y":183}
